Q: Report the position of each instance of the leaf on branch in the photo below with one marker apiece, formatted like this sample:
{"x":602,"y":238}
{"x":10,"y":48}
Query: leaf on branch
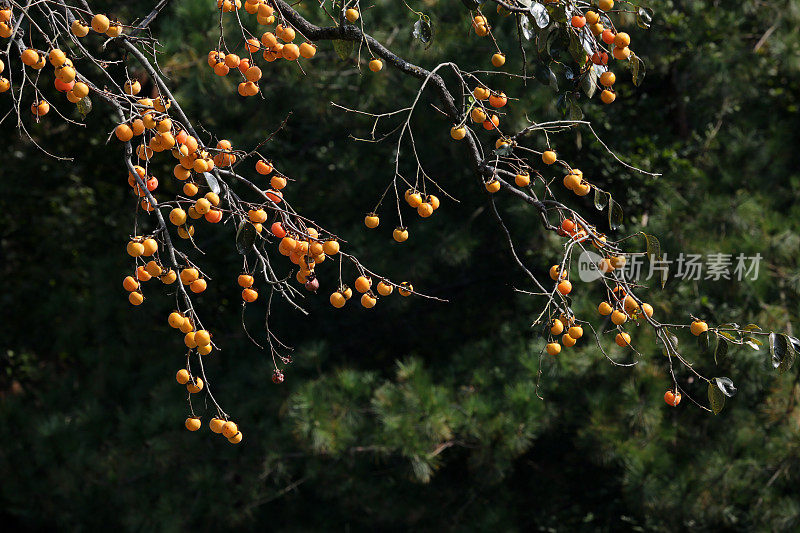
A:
{"x":780,"y":351}
{"x":587,"y":42}
{"x":637,"y":69}
{"x":545,"y":39}
{"x":504,"y":150}
{"x":576,"y":50}
{"x":540,"y":15}
{"x":795,"y":343}
{"x":726,"y":387}
{"x":525,"y":27}
{"x":589,"y":82}
{"x":703,"y":340}
{"x":753,"y":343}
{"x":343,"y":48}
{"x":574,"y":110}
{"x":653,"y":246}
{"x":558,"y":12}
{"x":545,"y":75}
{"x":84,"y":106}
{"x":644,"y":17}
{"x":721,"y":351}
{"x":614,"y":214}
{"x":716,"y":398}
{"x":213,"y":184}
{"x":600,"y":199}
{"x":423,"y":30}
{"x":245,"y":237}
{"x":471,"y":4}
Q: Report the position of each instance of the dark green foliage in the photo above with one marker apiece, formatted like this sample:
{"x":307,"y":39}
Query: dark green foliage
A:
{"x":416,"y":414}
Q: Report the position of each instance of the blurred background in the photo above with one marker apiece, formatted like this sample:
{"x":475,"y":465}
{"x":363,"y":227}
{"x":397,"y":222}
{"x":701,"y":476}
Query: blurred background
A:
{"x":416,"y":414}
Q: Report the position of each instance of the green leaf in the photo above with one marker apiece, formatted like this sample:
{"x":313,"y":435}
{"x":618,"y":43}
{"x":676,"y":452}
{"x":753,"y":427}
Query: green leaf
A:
{"x":525,"y":27}
{"x":545,"y":40}
{"x":780,"y":350}
{"x":561,"y":104}
{"x":614,"y":214}
{"x":703,"y":340}
{"x":589,"y":82}
{"x":653,"y":246}
{"x":600,"y":199}
{"x":573,"y":109}
{"x":558,"y":13}
{"x":343,"y":48}
{"x":84,"y":106}
{"x":753,"y":343}
{"x":752,"y":327}
{"x":726,"y":387}
{"x":716,"y":398}
{"x":644,"y":17}
{"x":576,"y":50}
{"x":213,"y":184}
{"x":638,"y":69}
{"x":245,"y":237}
{"x":540,"y":15}
{"x":423,"y":30}
{"x":504,"y":150}
{"x":545,"y":75}
{"x":721,"y":351}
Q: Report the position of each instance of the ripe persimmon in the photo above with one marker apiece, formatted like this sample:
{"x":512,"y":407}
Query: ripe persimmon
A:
{"x":492,"y":185}
{"x":368,"y":301}
{"x":553,"y":348}
{"x":498,"y":99}
{"x":338,"y":300}
{"x":130,"y":284}
{"x":425,"y":210}
{"x":607,"y":78}
{"x":672,"y":398}
{"x":698,"y":327}
{"x":229,"y":429}
{"x":136,"y":298}
{"x":216,"y":424}
{"x":249,"y":295}
{"x":371,"y":221}
{"x":198,"y":286}
{"x":182,"y":376}
{"x":351,"y":15}
{"x":195,"y":386}
{"x":363,"y":283}
{"x":400,"y":234}
{"x":153,"y":268}
{"x":622,"y":339}
{"x":618,"y":317}
{"x":257,"y":216}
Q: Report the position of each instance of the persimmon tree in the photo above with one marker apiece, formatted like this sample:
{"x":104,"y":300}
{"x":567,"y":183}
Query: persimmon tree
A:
{"x":286,"y":253}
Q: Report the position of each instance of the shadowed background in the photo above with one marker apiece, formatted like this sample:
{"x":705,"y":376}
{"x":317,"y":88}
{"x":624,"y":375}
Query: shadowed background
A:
{"x":415,"y":414}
